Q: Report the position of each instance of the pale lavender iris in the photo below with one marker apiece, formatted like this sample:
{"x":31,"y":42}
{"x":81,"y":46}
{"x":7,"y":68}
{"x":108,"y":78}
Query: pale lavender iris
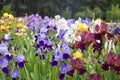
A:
{"x":70,"y":21}
{"x":43,"y":30}
{"x":58,"y":56}
{"x":52,"y":23}
{"x":65,"y":48}
{"x":46,"y":21}
{"x":3,"y":48}
{"x":87,"y":21}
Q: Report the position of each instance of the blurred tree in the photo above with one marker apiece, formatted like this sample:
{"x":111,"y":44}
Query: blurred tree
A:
{"x":3,"y":2}
{"x":86,"y":13}
{"x":67,"y":13}
{"x":6,"y":8}
{"x":114,"y":2}
{"x":98,"y":12}
{"x":54,"y":7}
{"x":113,"y":13}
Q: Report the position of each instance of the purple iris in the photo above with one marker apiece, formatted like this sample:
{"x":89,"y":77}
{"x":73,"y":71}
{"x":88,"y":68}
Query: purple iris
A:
{"x":54,"y":63}
{"x":9,"y":46}
{"x":8,"y":56}
{"x":15,"y":73}
{"x":112,"y":28}
{"x":61,"y":76}
{"x":7,"y":38}
{"x":58,"y":56}
{"x":4,"y":65}
{"x":44,"y":30}
{"x":34,"y":22}
{"x":65,"y":48}
{"x":117,"y":30}
{"x":36,"y":25}
{"x":46,"y":21}
{"x":64,"y":68}
{"x":3,"y":48}
{"x":47,"y":43}
{"x":42,"y":35}
{"x":20,"y":60}
{"x":61,"y":34}
{"x":39,"y":38}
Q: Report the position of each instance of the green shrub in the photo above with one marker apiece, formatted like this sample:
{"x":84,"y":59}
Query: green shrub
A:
{"x":6,"y":8}
{"x":86,"y":13}
{"x":66,"y":13}
{"x":98,"y":12}
{"x":79,"y":14}
{"x":114,"y":13}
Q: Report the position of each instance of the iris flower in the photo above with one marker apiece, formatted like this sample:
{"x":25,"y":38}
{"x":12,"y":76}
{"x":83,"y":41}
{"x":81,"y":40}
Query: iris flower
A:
{"x":20,"y":60}
{"x":4,"y":65}
{"x":8,"y":56}
{"x":64,"y":68}
{"x":3,"y":48}
{"x":15,"y":73}
{"x":77,"y":54}
{"x":82,"y":27}
{"x":94,"y":76}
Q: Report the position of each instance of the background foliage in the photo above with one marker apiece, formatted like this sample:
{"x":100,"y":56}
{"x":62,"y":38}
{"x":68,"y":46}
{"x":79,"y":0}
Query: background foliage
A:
{"x":66,"y":8}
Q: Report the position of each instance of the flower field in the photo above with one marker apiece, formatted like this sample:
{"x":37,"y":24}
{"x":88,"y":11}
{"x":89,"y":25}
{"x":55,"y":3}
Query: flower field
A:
{"x":36,"y":48}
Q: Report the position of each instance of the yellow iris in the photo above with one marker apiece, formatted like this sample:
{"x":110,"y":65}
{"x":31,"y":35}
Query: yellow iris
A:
{"x":19,"y":25}
{"x":99,"y":19}
{"x":23,"y":30}
{"x":83,"y":27}
{"x":7,"y":27}
{"x":1,"y":22}
{"x":11,"y":17}
{"x":18,"y":34}
{"x":77,"y":54}
{"x":10,"y":23}
{"x":5,"y":14}
{"x":24,"y":27}
{"x":2,"y":27}
{"x":20,"y":20}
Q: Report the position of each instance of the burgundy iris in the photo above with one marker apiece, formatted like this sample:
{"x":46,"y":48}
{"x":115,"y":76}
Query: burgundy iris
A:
{"x":94,"y":76}
{"x":77,"y":64}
